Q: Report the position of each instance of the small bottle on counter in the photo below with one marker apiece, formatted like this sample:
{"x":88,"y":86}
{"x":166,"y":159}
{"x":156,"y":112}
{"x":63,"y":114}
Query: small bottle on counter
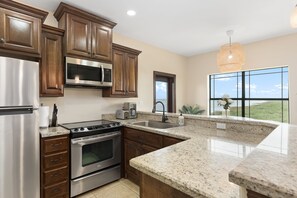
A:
{"x":181,"y":120}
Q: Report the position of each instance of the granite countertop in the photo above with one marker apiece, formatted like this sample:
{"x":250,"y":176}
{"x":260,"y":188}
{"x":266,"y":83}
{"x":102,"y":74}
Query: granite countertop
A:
{"x":271,"y":169}
{"x":200,"y":165}
{"x":53,"y":131}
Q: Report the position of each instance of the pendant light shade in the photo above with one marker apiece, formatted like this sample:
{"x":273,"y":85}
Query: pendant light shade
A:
{"x":231,"y":56}
{"x":294,"y":18}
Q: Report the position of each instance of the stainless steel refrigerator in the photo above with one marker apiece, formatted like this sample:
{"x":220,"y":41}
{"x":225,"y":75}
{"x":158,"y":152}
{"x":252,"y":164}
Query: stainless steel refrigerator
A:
{"x":19,"y":135}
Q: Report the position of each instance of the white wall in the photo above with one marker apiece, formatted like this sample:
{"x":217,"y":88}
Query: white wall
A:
{"x":86,"y":104}
{"x":274,"y":52}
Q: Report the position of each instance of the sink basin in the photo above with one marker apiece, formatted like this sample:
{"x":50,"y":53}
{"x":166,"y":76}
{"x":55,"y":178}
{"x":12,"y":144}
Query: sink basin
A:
{"x":156,"y":124}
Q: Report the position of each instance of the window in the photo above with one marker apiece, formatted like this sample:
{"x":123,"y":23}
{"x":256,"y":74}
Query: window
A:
{"x":259,"y":94}
{"x":164,"y":91}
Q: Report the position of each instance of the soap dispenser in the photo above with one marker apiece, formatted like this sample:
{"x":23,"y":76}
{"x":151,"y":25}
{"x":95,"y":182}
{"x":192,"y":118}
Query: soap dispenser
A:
{"x":181,"y":120}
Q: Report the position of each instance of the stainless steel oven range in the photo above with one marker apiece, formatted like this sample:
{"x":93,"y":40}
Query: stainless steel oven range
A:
{"x":95,"y":154}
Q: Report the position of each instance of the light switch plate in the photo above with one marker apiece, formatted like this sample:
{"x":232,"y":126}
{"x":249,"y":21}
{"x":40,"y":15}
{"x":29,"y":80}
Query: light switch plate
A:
{"x":221,"y":125}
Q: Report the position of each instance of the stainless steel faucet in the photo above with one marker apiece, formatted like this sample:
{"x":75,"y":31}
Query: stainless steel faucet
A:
{"x":164,"y":117}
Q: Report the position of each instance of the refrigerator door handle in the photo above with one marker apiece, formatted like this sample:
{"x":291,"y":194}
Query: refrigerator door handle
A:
{"x":16,"y":110}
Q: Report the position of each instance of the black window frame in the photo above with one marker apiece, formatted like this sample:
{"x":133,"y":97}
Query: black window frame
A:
{"x":245,"y":99}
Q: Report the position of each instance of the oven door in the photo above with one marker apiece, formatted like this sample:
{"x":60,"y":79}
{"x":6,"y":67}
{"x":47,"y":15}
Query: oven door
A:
{"x":93,"y":153}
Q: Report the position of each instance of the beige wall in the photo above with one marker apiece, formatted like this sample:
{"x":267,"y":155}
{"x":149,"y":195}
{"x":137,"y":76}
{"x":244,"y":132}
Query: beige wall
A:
{"x":86,"y":104}
{"x":268,"y":53}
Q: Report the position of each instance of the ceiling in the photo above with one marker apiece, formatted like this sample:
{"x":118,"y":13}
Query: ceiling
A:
{"x":190,"y":27}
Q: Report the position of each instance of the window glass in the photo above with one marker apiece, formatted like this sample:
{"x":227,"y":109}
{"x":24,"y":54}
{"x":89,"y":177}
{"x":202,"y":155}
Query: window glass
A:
{"x":265,"y":85}
{"x":161,"y":95}
{"x":265,"y":96}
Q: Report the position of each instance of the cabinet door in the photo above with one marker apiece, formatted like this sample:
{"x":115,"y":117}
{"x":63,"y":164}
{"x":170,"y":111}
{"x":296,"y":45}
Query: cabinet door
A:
{"x":147,"y":149}
{"x":131,"y":150}
{"x":78,"y":36}
{"x":51,"y":67}
{"x":101,"y":42}
{"x":118,"y":86}
{"x":19,"y":32}
{"x":168,"y":141}
{"x":131,"y":75}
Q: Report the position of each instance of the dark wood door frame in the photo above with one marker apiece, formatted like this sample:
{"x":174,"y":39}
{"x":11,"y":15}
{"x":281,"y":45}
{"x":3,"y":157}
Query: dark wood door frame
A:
{"x":171,"y":86}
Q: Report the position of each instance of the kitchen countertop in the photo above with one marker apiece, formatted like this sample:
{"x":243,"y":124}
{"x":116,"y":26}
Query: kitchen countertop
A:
{"x":200,"y":165}
{"x":271,"y":169}
{"x":211,"y":162}
{"x":53,"y":131}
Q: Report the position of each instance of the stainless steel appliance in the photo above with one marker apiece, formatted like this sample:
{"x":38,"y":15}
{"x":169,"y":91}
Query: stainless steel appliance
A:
{"x":81,"y":72}
{"x":95,"y":154}
{"x":122,"y":114}
{"x":131,"y":108}
{"x":19,"y":135}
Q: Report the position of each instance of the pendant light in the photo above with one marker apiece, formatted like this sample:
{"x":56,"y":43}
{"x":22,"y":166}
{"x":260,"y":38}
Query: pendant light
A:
{"x":294,"y":18}
{"x":231,"y":56}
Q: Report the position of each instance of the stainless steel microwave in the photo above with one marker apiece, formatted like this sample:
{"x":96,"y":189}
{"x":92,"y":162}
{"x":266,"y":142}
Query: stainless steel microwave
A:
{"x":81,"y":72}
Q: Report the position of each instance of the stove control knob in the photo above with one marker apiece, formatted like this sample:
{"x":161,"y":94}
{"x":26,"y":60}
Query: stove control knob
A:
{"x":81,"y":129}
{"x":74,"y":130}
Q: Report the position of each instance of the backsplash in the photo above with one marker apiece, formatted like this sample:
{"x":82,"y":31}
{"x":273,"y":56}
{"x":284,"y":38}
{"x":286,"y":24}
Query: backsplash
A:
{"x":236,"y":124}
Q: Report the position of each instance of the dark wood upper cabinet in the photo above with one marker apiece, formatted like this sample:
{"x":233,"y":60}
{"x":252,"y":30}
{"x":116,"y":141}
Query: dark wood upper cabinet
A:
{"x":20,"y":29}
{"x":79,"y":36}
{"x":125,"y":72}
{"x":51,"y":65}
{"x":86,"y":35}
{"x":101,"y":42}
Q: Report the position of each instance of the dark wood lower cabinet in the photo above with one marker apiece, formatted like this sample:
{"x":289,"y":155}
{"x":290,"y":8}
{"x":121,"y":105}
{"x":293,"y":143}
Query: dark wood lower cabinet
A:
{"x":252,"y":194}
{"x":150,"y":187}
{"x":136,"y":143}
{"x":54,"y":167}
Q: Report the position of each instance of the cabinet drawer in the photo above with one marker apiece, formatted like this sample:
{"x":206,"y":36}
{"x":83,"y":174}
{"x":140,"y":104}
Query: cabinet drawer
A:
{"x":55,"y":160}
{"x":167,"y":141}
{"x":58,"y":190}
{"x":132,"y":134}
{"x":55,"y":144}
{"x":151,"y":139}
{"x":54,"y":176}
{"x":143,"y":137}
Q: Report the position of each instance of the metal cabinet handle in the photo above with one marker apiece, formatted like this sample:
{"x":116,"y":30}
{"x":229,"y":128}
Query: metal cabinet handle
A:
{"x":56,"y":160}
{"x":56,"y":175}
{"x":2,"y":40}
{"x":56,"y":190}
{"x":57,"y":144}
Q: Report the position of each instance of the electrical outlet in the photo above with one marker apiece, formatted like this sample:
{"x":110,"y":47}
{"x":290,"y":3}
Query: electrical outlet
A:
{"x":221,"y":125}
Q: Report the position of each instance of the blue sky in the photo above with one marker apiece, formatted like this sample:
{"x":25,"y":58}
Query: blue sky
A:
{"x":161,"y":90}
{"x":260,"y":86}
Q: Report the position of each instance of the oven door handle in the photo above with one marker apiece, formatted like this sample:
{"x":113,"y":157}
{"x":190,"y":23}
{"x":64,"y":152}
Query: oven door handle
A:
{"x":95,"y":139}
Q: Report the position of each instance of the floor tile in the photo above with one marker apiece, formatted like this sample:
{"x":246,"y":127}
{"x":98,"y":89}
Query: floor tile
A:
{"x":120,"y":189}
{"x":130,"y":185}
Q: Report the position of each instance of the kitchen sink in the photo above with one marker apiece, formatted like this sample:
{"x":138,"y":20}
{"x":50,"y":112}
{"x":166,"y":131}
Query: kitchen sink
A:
{"x":156,"y":124}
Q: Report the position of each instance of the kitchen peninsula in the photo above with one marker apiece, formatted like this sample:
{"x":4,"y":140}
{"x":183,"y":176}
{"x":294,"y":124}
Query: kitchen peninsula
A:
{"x":200,"y":166}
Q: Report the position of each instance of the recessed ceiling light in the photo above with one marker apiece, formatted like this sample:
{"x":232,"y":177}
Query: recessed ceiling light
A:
{"x":131,"y":12}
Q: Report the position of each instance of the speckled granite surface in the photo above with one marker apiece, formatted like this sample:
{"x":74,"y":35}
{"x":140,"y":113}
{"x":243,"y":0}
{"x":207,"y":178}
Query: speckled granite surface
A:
{"x":53,"y":131}
{"x":271,"y":169}
{"x":200,"y":165}
{"x":257,"y":155}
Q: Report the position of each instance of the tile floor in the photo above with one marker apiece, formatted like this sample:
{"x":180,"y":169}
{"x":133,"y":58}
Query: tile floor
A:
{"x":122,"y":188}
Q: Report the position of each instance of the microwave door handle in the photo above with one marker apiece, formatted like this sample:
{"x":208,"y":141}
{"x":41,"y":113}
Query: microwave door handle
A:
{"x":95,"y":139}
{"x":102,"y":73}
